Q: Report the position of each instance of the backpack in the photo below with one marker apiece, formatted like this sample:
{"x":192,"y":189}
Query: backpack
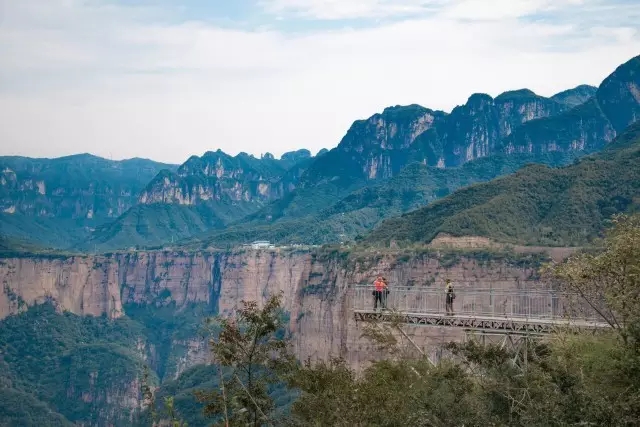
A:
{"x":451,"y":293}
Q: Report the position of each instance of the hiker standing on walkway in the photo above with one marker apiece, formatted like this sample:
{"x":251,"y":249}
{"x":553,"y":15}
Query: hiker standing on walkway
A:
{"x":385,"y":292}
{"x":450,"y":295}
{"x":378,"y":293}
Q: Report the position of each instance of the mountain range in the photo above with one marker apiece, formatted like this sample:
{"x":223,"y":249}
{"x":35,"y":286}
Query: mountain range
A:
{"x":386,"y":165}
{"x":401,"y":159}
{"x":537,"y":205}
{"x":75,"y":331}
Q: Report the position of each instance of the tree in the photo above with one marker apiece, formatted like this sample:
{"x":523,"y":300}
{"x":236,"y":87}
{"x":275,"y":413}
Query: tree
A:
{"x":609,"y":281}
{"x":151,"y":416}
{"x":252,"y":356}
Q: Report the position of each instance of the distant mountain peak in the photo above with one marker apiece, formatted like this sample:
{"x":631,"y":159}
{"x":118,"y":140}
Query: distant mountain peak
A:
{"x":394,"y":109}
{"x":479,"y":97}
{"x":516,"y":94}
{"x":296,"y":156}
{"x":575,"y":96}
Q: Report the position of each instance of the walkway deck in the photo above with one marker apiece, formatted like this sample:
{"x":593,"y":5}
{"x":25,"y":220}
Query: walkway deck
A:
{"x":512,"y":311}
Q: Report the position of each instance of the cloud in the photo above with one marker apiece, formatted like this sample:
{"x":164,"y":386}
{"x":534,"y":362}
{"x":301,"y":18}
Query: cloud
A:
{"x":78,"y":76}
{"x":349,"y":9}
{"x":456,"y":9}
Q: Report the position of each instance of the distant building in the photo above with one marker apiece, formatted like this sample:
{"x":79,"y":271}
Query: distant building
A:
{"x":261,"y":244}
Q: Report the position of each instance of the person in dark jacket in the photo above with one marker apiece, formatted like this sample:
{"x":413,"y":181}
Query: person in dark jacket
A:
{"x":450,"y":295}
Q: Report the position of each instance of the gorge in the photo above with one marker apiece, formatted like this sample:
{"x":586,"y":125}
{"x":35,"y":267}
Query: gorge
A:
{"x":315,"y":284}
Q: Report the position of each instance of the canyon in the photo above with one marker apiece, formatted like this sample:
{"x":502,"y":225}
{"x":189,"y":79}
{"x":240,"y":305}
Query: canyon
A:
{"x":317,"y":288}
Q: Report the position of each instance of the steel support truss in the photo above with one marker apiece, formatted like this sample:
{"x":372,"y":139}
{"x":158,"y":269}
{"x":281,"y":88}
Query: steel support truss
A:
{"x":517,"y":343}
{"x":522,"y":326}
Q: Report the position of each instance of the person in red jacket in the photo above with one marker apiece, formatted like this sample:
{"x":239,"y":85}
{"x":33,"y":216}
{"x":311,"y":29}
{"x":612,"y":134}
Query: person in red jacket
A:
{"x":379,"y":293}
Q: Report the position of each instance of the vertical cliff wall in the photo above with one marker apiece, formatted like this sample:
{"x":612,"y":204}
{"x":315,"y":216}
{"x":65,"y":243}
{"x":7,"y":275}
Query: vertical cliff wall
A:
{"x":315,"y":285}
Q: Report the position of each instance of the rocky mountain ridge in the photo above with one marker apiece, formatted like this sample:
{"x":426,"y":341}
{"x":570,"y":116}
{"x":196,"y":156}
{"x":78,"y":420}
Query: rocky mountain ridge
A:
{"x":82,"y":186}
{"x":576,"y":96}
{"x":388,"y":141}
{"x":218,"y":177}
{"x":215,"y":191}
{"x":537,"y":205}
{"x":55,"y":202}
{"x":589,"y":126}
{"x":515,"y":123}
{"x":204,"y":193}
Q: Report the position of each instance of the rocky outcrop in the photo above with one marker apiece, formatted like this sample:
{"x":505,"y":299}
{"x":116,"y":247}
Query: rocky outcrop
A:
{"x":576,"y":96}
{"x":587,"y":127}
{"x":475,"y":129}
{"x":317,"y":287}
{"x":381,"y":146}
{"x":74,"y":187}
{"x":519,"y":121}
{"x":217,"y":177}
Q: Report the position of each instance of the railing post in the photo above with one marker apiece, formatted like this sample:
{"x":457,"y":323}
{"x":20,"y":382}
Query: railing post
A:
{"x":491,"y":302}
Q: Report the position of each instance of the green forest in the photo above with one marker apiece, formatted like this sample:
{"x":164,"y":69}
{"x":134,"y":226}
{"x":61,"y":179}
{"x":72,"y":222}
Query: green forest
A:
{"x":85,"y":369}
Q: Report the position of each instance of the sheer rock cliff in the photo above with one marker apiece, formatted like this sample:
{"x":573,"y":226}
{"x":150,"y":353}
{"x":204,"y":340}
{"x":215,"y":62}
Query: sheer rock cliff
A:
{"x":317,"y":287}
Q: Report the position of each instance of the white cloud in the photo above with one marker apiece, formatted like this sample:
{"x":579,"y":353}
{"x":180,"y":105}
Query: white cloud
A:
{"x":457,"y":9}
{"x":118,"y":81}
{"x":494,"y":9}
{"x":349,"y":9}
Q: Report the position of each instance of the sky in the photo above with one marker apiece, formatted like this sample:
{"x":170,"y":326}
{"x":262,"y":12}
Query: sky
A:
{"x":167,"y":79}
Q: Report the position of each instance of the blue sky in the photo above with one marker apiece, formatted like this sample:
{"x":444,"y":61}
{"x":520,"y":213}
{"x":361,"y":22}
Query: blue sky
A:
{"x":167,"y":79}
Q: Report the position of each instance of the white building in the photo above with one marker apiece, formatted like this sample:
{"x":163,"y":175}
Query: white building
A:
{"x":261,"y":244}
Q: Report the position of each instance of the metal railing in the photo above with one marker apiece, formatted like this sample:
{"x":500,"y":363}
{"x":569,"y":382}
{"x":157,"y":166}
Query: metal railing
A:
{"x":509,"y":304}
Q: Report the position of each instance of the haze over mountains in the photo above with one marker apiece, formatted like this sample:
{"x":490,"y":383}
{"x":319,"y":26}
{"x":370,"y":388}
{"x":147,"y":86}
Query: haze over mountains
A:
{"x":388,"y":164}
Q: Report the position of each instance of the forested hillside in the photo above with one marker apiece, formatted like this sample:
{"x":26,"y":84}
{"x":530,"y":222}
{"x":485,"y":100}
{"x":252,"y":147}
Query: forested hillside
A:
{"x":356,"y":214}
{"x":537,"y":205}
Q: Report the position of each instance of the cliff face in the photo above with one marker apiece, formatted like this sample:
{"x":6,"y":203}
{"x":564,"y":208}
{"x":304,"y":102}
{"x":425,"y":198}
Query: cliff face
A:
{"x":379,"y":147}
{"x":316,"y":287}
{"x":217,"y":177}
{"x":74,"y":187}
{"x":88,"y":368}
{"x":587,"y":127}
{"x":475,"y":129}
{"x":579,"y":119}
